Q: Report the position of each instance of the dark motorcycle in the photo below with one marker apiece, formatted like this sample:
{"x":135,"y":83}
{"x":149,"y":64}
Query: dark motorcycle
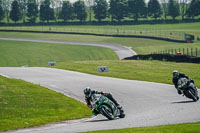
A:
{"x":106,"y":107}
{"x":188,"y":89}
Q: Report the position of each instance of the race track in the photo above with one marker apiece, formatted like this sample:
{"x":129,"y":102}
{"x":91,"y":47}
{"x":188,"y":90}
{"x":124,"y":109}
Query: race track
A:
{"x":145,"y":103}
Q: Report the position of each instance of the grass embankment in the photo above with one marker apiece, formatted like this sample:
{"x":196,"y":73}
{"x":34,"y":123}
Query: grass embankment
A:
{"x":154,"y":71}
{"x":15,"y":53}
{"x":172,"y":31}
{"x":192,"y":28}
{"x":141,"y":46}
{"x":38,"y":54}
{"x":177,"y":128}
{"x":23,"y":105}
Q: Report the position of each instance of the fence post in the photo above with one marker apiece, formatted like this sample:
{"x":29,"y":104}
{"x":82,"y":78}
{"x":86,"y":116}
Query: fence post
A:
{"x":179,"y":50}
{"x":183,"y":51}
{"x":175,"y":51}
{"x":187,"y":51}
{"x":191,"y":52}
{"x":172,"y":51}
{"x":196,"y":52}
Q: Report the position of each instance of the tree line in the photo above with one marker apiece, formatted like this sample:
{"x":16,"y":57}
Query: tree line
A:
{"x":47,"y":10}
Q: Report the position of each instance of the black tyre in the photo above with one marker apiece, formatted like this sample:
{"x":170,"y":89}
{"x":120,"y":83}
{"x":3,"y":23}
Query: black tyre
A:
{"x":122,"y":115}
{"x":107,"y":112}
{"x":192,"y":94}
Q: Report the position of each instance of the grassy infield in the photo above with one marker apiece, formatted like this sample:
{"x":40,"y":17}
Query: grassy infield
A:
{"x":142,"y":46}
{"x":23,"y":105}
{"x":15,"y":114}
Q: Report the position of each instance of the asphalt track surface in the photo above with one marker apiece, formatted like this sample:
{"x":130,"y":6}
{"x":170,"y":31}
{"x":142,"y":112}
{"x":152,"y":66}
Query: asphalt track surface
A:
{"x":145,"y":103}
{"x":121,"y":51}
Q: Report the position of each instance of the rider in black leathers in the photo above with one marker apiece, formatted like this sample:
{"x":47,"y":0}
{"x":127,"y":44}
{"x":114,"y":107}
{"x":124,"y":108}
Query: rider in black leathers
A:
{"x":177,"y":76}
{"x":88,"y":93}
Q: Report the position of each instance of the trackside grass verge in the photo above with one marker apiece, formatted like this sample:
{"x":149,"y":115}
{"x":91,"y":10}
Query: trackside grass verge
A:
{"x":16,"y":53}
{"x":177,"y":128}
{"x":154,"y":71}
{"x":140,"y":45}
{"x":23,"y":104}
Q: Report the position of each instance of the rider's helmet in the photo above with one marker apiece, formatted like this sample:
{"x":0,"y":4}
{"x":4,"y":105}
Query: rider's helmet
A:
{"x":175,"y":74}
{"x":87,"y":92}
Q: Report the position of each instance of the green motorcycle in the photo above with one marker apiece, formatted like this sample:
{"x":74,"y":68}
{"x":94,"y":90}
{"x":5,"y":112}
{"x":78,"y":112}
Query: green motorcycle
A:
{"x":188,"y":89}
{"x":106,"y":107}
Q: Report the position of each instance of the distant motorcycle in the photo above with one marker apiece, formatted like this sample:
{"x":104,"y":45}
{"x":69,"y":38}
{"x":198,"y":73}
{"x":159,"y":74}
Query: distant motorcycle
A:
{"x":188,"y":89}
{"x":106,"y":107}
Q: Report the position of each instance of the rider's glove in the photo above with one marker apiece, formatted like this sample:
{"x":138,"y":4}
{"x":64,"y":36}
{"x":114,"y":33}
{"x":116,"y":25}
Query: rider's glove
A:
{"x":105,"y":94}
{"x":90,"y":106}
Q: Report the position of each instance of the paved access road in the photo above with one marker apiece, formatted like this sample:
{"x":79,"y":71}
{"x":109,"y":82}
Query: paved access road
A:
{"x":145,"y":103}
{"x":121,"y":51}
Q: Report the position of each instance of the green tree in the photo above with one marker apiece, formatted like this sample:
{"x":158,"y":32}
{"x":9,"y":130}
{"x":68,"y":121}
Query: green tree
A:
{"x":118,"y":9}
{"x":100,"y":9}
{"x":194,"y":9}
{"x":137,"y":8}
{"x":6,"y":4}
{"x":15,"y":14}
{"x":23,"y":8}
{"x":2,"y":13}
{"x":154,"y":9}
{"x":46,"y":12}
{"x":66,"y":12}
{"x":183,"y":7}
{"x":90,"y":4}
{"x":56,"y":5}
{"x":32,"y":12}
{"x":173,"y":9}
{"x":42,"y":13}
{"x":80,"y":10}
{"x":164,"y":4}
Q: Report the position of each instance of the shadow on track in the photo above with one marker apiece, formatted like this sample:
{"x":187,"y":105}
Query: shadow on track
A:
{"x":183,"y":102}
{"x":102,"y":120}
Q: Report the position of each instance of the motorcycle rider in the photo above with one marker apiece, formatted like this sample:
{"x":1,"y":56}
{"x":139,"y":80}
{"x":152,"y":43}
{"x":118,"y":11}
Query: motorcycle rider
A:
{"x":177,"y":75}
{"x":88,"y":93}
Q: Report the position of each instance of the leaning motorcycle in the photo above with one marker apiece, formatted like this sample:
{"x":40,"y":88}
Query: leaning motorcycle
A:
{"x":188,"y":89}
{"x":106,"y":107}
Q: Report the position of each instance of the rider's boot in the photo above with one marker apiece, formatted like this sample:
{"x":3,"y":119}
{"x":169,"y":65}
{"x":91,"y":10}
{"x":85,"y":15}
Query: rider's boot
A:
{"x":114,"y":101}
{"x":179,"y":92}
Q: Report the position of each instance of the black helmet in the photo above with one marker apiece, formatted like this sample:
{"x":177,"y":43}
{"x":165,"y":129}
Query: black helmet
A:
{"x":175,"y":73}
{"x":87,"y":92}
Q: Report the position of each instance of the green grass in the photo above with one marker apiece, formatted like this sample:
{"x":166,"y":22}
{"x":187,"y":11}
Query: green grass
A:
{"x":14,"y":53}
{"x":177,"y":128}
{"x":141,"y":46}
{"x":24,"y":105}
{"x":21,"y":107}
{"x":154,"y":71}
{"x":173,"y":31}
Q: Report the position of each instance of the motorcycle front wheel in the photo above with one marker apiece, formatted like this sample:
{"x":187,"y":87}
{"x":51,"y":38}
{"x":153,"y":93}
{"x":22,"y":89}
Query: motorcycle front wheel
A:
{"x":106,"y":111}
{"x":193,"y":95}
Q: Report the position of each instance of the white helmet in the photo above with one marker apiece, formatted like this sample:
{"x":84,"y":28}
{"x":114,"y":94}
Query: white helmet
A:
{"x":87,"y":91}
{"x":175,"y":73}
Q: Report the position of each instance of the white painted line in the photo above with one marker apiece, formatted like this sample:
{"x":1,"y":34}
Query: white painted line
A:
{"x":5,"y":76}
